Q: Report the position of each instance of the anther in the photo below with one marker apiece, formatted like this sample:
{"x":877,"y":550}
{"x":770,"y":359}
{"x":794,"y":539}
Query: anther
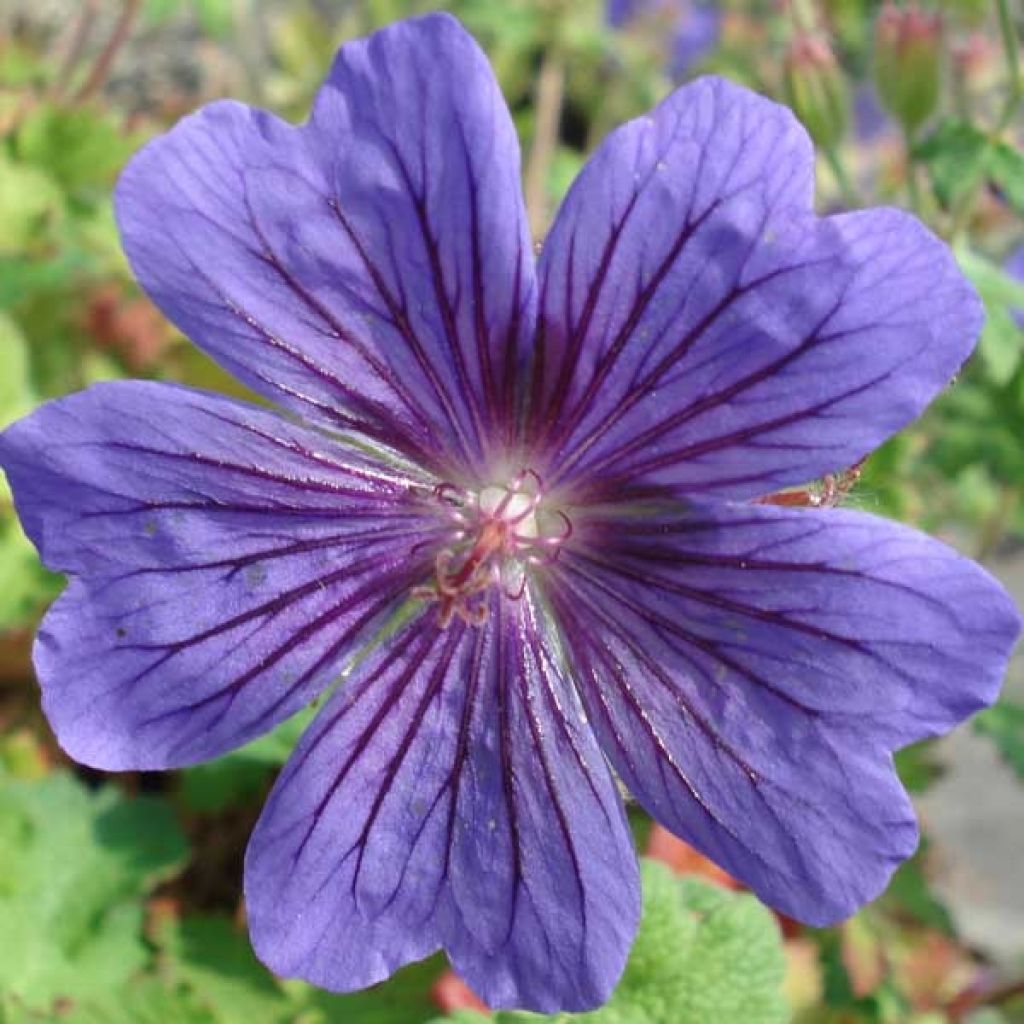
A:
{"x":499,"y":533}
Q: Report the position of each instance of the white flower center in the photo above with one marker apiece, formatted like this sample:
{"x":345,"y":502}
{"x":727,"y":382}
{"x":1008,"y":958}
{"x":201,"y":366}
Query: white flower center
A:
{"x":500,"y":533}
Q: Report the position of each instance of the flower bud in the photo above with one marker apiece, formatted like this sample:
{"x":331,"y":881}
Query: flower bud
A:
{"x":816,"y":89}
{"x":908,"y":63}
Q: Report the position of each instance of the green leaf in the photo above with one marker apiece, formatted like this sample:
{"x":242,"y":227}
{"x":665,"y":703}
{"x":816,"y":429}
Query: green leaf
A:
{"x":1005,"y":166}
{"x":910,"y":895}
{"x":21,"y":64}
{"x":145,"y":1001}
{"x":404,"y":999}
{"x":74,"y":867}
{"x":16,"y":395}
{"x":1003,"y":723}
{"x":959,"y":154}
{"x":918,"y":767}
{"x":82,"y":148}
{"x":24,"y":584}
{"x":216,"y":17}
{"x":29,"y":198}
{"x":703,"y":955}
{"x":21,"y":277}
{"x":214,"y":961}
{"x":1002,"y":340}
{"x":235,"y":778}
{"x":955,"y":156}
{"x":242,"y":774}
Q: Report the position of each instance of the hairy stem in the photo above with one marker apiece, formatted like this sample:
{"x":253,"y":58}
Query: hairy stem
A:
{"x":548,"y":99}
{"x":843,"y":180}
{"x":73,"y":54}
{"x":104,"y":62}
{"x":966,"y":1004}
{"x":913,"y":190}
{"x":1011,"y":48}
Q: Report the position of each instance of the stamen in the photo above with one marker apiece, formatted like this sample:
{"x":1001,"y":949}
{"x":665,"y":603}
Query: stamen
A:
{"x":500,"y":533}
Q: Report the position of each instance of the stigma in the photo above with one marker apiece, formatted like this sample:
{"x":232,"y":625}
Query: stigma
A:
{"x":500,"y":533}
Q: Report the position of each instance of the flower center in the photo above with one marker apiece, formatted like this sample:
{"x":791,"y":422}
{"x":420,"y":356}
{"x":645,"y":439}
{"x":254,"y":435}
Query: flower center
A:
{"x":499,"y":533}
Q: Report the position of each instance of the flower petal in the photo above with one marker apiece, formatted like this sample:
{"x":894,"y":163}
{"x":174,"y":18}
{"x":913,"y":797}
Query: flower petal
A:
{"x":223,"y":563}
{"x":450,"y":796}
{"x":700,"y":328}
{"x":750,"y":669}
{"x":371,"y":268}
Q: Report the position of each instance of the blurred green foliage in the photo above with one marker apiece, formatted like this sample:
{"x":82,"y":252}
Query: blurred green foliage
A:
{"x":75,"y":866}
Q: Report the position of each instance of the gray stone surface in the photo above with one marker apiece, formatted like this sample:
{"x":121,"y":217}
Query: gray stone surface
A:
{"x":975,"y":814}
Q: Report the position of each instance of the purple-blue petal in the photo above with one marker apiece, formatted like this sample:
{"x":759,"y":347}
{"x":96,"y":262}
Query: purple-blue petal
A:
{"x":701,"y":328}
{"x":749,"y":671}
{"x":223,"y":565}
{"x":370,"y":269}
{"x":450,"y":796}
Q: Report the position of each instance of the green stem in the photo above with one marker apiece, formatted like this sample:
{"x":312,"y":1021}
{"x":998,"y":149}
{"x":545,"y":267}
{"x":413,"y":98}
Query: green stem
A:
{"x":548,"y":99}
{"x":76,"y":46}
{"x":963,"y":209}
{"x":1011,"y":49}
{"x":964,"y":1006}
{"x":101,"y":69}
{"x":913,"y":190}
{"x":835,"y":163}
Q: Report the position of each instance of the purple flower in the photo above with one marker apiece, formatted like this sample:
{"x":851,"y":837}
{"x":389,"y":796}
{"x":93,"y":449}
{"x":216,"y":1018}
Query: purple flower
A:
{"x":694,"y":27}
{"x":536,"y":486}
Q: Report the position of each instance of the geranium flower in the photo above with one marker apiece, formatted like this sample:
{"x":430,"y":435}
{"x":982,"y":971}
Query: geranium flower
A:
{"x":694,"y":27}
{"x":522,"y":510}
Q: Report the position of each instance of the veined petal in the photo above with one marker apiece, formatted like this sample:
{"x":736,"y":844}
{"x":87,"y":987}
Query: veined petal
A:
{"x":750,"y":669}
{"x":451,"y":795}
{"x":701,"y":328}
{"x":223,"y":564}
{"x":371,"y":268}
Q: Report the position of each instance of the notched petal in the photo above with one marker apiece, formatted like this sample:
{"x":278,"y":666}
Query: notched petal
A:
{"x":749,"y":671}
{"x":701,"y":329}
{"x":223,"y":564}
{"x":451,"y":796}
{"x":370,"y":269}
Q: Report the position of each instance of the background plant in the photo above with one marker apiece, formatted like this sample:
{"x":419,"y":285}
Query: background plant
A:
{"x":119,"y":900}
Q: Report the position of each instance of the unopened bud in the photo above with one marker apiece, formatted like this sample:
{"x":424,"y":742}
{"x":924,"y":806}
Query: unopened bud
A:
{"x":816,"y":89}
{"x":908,"y":63}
